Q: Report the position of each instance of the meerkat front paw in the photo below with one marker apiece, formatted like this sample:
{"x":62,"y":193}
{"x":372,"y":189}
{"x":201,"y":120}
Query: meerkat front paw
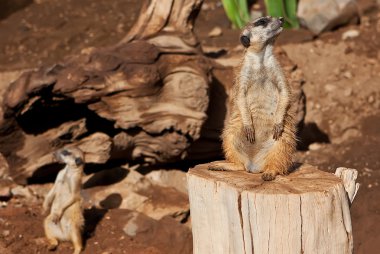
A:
{"x":268,"y":176}
{"x":249,"y":131}
{"x":44,"y":210}
{"x":55,"y":218}
{"x":277,"y":130}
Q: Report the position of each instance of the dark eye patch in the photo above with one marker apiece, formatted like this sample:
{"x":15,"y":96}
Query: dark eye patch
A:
{"x":245,"y":41}
{"x":65,"y":153}
{"x":78,"y":161}
{"x":262,"y":22}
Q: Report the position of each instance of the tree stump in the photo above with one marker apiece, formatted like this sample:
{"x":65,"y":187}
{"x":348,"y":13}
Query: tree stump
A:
{"x":237,"y":212}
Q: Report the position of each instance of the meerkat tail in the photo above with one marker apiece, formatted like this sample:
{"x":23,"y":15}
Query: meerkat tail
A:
{"x":279,"y":158}
{"x":225,"y":166}
{"x":50,"y":235}
{"x":76,"y":239}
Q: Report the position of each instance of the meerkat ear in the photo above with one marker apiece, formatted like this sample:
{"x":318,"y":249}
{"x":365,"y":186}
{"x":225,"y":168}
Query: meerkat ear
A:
{"x":244,"y":39}
{"x":78,"y":161}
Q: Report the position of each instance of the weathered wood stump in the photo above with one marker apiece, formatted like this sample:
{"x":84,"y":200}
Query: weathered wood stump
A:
{"x":237,"y":212}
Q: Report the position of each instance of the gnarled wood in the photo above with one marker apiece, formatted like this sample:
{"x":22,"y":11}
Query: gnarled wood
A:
{"x":148,"y":95}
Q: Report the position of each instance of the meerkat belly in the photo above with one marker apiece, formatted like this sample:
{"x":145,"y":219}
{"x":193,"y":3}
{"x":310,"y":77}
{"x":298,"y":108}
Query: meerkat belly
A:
{"x":262,"y":104}
{"x":62,"y":195}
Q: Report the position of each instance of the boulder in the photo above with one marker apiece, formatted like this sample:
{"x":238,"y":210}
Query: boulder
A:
{"x":323,"y":15}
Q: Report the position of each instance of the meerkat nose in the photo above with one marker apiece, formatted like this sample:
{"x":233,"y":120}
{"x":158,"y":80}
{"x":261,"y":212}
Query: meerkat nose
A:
{"x":281,"y":19}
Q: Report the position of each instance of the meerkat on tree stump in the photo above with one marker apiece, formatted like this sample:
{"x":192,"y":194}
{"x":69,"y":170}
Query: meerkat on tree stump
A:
{"x":259,"y":134}
{"x":64,"y":202}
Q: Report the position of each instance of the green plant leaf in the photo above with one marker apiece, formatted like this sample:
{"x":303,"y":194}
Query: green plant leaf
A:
{"x":237,"y":12}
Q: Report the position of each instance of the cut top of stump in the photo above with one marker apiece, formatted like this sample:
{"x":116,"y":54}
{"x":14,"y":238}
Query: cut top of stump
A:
{"x":304,"y":179}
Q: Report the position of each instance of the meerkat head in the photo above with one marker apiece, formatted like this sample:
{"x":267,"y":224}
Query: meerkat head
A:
{"x":71,"y":156}
{"x":261,"y":32}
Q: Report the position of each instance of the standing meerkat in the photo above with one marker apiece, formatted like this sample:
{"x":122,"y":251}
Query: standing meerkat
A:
{"x":259,"y":134}
{"x":64,"y":202}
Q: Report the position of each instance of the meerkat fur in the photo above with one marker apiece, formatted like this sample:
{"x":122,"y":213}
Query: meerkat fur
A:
{"x":64,"y":202}
{"x":259,"y":133}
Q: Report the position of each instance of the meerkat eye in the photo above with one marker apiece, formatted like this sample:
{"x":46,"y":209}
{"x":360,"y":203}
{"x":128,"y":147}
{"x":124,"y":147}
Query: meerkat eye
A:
{"x":261,"y":22}
{"x":65,"y":153}
{"x":78,"y":161}
{"x":245,"y":40}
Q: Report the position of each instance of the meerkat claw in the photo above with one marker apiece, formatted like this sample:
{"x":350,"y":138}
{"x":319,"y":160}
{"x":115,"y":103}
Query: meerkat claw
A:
{"x":55,"y":218}
{"x":250,"y":133}
{"x":215,"y":168}
{"x":268,"y":176}
{"x":277,"y":131}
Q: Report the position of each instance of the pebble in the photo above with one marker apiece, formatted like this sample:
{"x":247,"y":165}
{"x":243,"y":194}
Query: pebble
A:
{"x":315,"y":146}
{"x":372,"y":61}
{"x":347,"y":75}
{"x":347,"y":92}
{"x":215,"y":32}
{"x":5,"y":192}
{"x":350,"y":34}
{"x":329,"y":87}
{"x":6,"y":233}
{"x":371,"y":99}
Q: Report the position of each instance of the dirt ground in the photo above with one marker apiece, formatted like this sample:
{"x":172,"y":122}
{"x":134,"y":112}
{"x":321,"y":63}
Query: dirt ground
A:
{"x":342,"y":125}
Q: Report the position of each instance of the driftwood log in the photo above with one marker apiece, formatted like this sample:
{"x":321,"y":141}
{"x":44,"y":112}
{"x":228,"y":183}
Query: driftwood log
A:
{"x":304,"y":212}
{"x":153,"y":98}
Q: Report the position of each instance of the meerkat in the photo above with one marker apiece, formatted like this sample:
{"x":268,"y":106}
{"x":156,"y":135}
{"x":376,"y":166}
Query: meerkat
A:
{"x":64,"y":202}
{"x":259,"y":133}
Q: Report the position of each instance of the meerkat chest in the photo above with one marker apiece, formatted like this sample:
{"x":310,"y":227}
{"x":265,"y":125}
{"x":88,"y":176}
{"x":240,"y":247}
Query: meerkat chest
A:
{"x":263,"y":95}
{"x":63,"y":185}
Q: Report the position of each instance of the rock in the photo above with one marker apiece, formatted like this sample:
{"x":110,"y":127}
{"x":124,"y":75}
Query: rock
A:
{"x":347,"y":92}
{"x":6,"y":78}
{"x":23,"y":192}
{"x":131,"y":190}
{"x":323,"y":15}
{"x":215,"y":32}
{"x":6,"y":233}
{"x":131,"y":227}
{"x":6,"y":186}
{"x":315,"y":146}
{"x":348,"y":134}
{"x":169,"y":178}
{"x":213,"y":51}
{"x":5,"y":191}
{"x":329,"y":87}
{"x":4,"y":167}
{"x":350,"y":34}
{"x":347,"y":75}
{"x":166,"y":234}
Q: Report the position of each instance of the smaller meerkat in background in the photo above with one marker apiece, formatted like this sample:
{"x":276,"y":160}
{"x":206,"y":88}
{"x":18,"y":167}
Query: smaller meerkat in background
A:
{"x":259,"y":134}
{"x":64,"y":202}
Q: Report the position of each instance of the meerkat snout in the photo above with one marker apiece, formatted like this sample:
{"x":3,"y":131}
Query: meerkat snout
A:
{"x":260,"y":32}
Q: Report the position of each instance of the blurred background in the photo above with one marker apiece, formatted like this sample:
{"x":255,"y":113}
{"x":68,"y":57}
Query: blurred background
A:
{"x":142,"y":88}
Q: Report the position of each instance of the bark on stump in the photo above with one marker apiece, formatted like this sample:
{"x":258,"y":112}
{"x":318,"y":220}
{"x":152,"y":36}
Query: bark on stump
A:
{"x":236,"y":212}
